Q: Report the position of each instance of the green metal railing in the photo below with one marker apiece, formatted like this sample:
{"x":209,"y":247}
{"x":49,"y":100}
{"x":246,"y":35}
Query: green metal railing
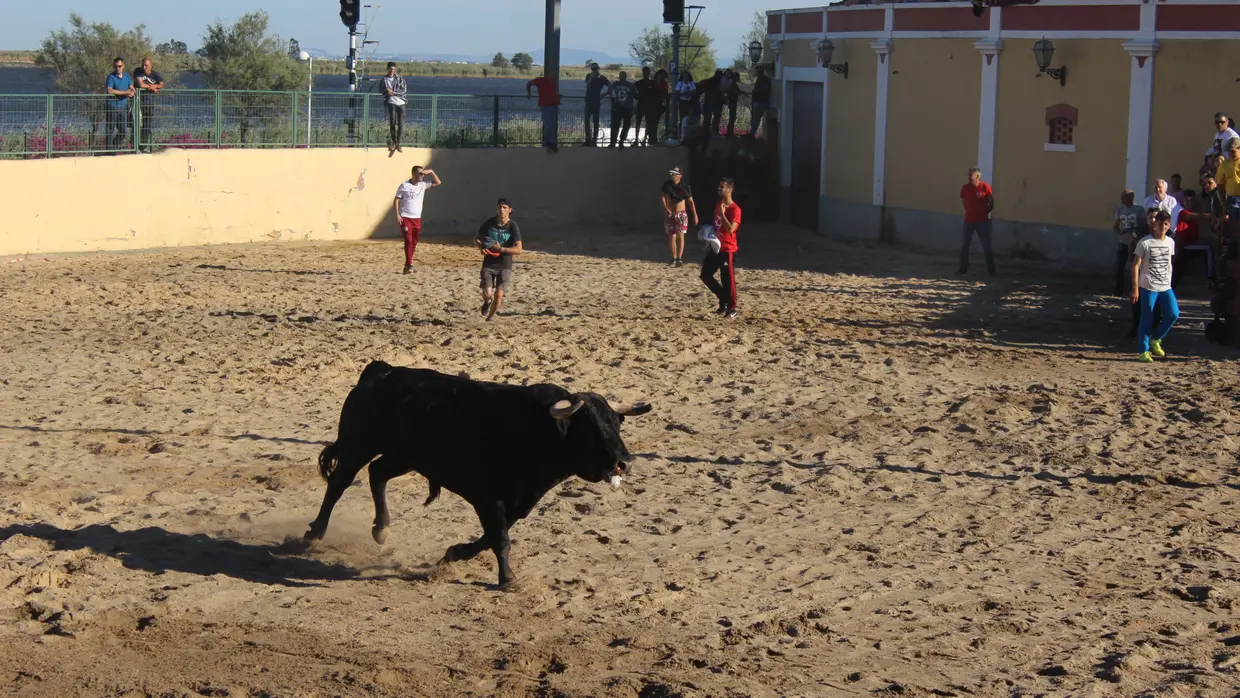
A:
{"x":55,"y":125}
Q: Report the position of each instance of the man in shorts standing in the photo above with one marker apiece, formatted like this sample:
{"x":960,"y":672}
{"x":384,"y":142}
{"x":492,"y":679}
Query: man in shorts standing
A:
{"x":677,"y":196}
{"x":408,"y":203}
{"x":499,"y":239}
{"x":727,"y":221}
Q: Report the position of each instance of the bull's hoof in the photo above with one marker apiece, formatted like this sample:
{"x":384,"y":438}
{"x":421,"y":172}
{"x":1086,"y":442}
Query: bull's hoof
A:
{"x":379,"y":534}
{"x":313,"y":536}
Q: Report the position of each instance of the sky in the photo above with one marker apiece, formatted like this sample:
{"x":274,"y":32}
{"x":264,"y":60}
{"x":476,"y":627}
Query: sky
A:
{"x":473,"y":27}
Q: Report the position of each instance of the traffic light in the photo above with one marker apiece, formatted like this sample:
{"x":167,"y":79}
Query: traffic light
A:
{"x":350,"y":12}
{"x":673,"y":11}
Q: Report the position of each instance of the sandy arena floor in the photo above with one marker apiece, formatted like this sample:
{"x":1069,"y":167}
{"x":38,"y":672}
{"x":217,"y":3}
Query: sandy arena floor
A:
{"x":883,"y":480}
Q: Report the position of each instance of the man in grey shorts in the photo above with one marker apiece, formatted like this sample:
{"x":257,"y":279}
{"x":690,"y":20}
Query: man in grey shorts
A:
{"x":498,"y":240}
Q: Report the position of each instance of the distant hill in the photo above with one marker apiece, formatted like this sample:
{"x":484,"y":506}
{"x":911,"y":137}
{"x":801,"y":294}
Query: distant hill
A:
{"x":577,"y":56}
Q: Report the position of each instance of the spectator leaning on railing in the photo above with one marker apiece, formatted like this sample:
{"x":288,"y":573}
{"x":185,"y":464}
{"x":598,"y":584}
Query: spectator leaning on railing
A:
{"x":549,"y":105}
{"x":120,"y":88}
{"x":1223,"y":133}
{"x":595,"y":82}
{"x":622,"y":93}
{"x":645,"y":113}
{"x":150,"y":82}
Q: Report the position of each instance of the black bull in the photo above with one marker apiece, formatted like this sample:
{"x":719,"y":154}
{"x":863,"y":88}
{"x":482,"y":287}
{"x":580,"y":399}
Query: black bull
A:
{"x":500,"y":447}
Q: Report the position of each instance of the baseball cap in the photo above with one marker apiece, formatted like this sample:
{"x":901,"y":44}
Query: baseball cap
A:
{"x":675,"y":171}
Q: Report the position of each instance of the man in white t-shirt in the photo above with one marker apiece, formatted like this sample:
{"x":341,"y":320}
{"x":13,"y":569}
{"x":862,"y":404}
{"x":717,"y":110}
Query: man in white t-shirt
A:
{"x":1151,"y":287}
{"x":408,"y":205}
{"x":1163,"y":201}
{"x":1224,"y":133}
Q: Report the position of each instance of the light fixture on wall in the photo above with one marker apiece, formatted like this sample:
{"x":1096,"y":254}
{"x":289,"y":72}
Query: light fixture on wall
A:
{"x":755,"y":57}
{"x":1043,"y":50}
{"x":826,"y":49}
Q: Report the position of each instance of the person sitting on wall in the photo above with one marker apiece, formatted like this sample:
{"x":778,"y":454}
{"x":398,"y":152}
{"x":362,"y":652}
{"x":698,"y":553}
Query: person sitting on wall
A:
{"x":1224,"y":132}
{"x":980,"y":5}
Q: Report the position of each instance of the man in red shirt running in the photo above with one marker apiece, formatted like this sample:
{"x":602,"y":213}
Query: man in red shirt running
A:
{"x":549,"y":103}
{"x":727,"y":221}
{"x":979,"y":201}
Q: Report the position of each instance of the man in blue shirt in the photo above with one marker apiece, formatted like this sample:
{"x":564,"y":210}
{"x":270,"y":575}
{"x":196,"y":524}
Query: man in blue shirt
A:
{"x":595,"y":83}
{"x":120,"y":88}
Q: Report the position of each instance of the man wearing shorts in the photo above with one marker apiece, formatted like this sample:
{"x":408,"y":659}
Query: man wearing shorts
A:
{"x":408,"y":205}
{"x":499,"y":238}
{"x":676,"y":197}
{"x":727,"y":222}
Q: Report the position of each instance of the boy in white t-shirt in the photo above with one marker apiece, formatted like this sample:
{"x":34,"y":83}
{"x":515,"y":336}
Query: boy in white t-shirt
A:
{"x":408,"y":203}
{"x":1151,"y":286}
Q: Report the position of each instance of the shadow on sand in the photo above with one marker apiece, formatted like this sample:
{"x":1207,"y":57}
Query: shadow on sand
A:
{"x":157,"y":551}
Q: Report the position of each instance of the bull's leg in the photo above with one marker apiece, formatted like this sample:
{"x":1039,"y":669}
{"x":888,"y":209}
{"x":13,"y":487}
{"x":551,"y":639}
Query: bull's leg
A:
{"x":382,"y":470}
{"x":495,"y":534}
{"x":341,"y":478}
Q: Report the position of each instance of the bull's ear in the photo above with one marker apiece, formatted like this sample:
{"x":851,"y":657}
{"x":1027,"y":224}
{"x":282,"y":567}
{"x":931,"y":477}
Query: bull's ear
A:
{"x":563,"y":412}
{"x":635,"y":411}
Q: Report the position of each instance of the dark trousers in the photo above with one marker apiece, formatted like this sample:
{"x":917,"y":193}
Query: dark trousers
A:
{"x":983,"y":234}
{"x":755,"y":119}
{"x":714,"y":117}
{"x":641,"y":115}
{"x":621,"y":121}
{"x":1123,"y":268}
{"x":722,"y":263}
{"x":592,"y":117}
{"x":148,"y":116}
{"x":653,"y":117}
{"x":396,"y":124}
{"x":732,"y":118}
{"x":118,"y":128}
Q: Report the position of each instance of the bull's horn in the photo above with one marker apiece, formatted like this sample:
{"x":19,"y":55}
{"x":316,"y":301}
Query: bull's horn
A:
{"x":638,"y":409}
{"x":565,"y":409}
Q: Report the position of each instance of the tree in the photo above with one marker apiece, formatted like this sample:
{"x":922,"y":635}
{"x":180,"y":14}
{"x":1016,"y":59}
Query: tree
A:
{"x":654,"y":48}
{"x":294,"y":49}
{"x":499,"y":61}
{"x":522,"y":61}
{"x":81,"y":56}
{"x":172,"y":48}
{"x":245,"y":57}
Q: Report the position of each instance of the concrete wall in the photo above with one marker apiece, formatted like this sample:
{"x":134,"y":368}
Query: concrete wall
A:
{"x":1189,"y":79}
{"x":204,"y":197}
{"x":1074,"y":190}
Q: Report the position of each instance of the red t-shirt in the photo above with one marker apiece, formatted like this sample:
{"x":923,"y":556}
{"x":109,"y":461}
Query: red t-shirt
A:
{"x":547,"y":96}
{"x":975,"y":207}
{"x":727,"y":241}
{"x":1186,"y":230}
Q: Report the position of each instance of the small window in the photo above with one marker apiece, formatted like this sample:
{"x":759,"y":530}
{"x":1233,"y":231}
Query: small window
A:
{"x":1061,"y":121}
{"x":1061,"y":131}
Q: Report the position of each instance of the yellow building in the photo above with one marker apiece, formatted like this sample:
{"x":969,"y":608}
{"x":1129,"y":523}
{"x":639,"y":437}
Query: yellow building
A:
{"x":876,"y":144}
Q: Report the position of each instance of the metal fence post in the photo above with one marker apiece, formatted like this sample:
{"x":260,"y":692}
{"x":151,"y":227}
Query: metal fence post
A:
{"x":219,"y":120}
{"x":366,"y":120}
{"x":137,"y":121}
{"x":50,"y":125}
{"x":495,"y":122}
{"x":434,"y":119}
{"x":294,"y":112}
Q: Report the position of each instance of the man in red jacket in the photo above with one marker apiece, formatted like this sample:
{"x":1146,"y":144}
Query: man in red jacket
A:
{"x":549,"y":103}
{"x":727,"y":221}
{"x":979,"y":201}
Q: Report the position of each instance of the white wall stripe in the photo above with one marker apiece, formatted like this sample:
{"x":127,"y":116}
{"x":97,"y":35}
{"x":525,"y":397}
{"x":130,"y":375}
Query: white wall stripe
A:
{"x":1140,"y":106}
{"x":990,"y":49}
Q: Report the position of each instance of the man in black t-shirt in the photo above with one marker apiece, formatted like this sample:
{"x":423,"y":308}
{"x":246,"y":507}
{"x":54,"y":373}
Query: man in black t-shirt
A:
{"x":646,"y":111}
{"x":678,"y":204}
{"x":761,"y":99}
{"x":148,"y":83}
{"x":499,"y":238}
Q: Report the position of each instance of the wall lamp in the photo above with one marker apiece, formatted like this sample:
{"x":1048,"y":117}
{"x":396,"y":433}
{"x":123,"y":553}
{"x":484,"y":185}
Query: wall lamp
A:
{"x":826,"y":49}
{"x":755,"y":57}
{"x":1043,"y":50}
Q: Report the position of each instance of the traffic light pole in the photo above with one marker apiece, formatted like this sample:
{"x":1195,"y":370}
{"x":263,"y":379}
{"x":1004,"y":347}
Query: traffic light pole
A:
{"x":353,"y":83}
{"x":551,"y":62}
{"x":673,"y":107}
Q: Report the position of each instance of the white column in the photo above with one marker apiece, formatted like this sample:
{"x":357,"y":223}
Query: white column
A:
{"x":1140,"y":108}
{"x":883,"y":49}
{"x":990,"y":49}
{"x":822,"y":165}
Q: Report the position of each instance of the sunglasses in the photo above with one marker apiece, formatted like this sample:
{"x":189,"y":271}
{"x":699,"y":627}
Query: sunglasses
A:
{"x":1220,"y":122}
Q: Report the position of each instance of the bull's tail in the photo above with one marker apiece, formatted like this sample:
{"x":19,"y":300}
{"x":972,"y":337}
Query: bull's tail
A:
{"x":328,"y":460}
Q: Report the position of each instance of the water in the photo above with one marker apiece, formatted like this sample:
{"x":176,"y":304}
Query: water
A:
{"x":29,"y":81}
